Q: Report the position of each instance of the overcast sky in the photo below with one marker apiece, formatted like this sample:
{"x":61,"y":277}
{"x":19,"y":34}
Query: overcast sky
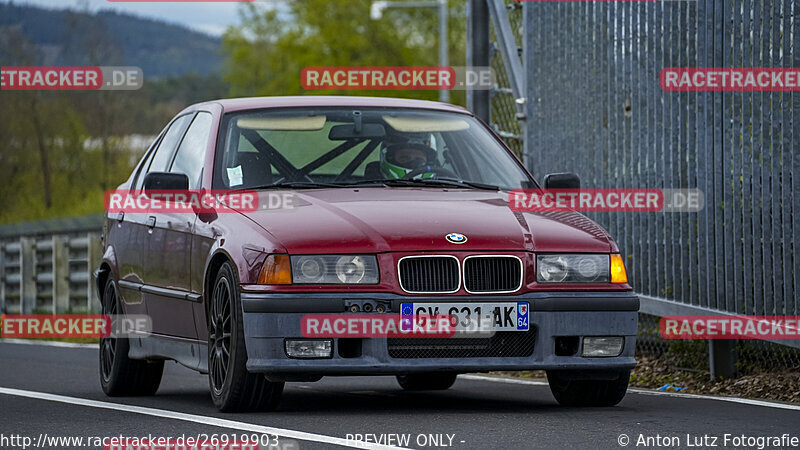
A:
{"x":210,"y":17}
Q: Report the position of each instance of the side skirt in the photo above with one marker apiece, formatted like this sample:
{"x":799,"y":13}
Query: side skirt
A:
{"x":187,"y":352}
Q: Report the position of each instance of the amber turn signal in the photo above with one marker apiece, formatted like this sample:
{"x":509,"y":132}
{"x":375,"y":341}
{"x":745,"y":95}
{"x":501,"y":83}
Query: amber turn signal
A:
{"x":618,"y":274}
{"x":276,"y":270}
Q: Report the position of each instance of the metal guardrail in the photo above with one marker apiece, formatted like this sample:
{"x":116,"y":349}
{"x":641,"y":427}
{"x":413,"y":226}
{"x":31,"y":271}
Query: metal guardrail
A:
{"x":48,"y":269}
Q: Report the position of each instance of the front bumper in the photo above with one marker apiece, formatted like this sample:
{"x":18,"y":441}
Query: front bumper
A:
{"x":271,"y":318}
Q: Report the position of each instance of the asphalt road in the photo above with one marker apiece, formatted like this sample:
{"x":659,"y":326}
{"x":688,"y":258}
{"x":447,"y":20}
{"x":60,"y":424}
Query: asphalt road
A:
{"x":54,"y":391}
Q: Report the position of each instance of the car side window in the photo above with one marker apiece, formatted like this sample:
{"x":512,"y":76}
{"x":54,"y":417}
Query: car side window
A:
{"x":189,"y":159}
{"x":140,"y":171}
{"x":144,"y":164}
{"x":167,"y":146}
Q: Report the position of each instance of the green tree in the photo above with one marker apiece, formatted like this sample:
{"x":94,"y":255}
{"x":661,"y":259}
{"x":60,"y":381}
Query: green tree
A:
{"x":267,"y":52}
{"x":48,"y":163}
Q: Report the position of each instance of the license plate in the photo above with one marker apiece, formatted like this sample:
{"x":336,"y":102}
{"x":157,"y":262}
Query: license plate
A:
{"x":469,"y":317}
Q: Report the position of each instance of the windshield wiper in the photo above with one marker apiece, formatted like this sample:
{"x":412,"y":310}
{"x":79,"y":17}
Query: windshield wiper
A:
{"x":369,"y":182}
{"x":382,"y":182}
{"x":297,"y":185}
{"x":428,"y":182}
{"x":461,"y":183}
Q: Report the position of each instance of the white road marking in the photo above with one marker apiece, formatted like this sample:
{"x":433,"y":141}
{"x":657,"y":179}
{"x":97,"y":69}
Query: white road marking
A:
{"x":48,"y":343}
{"x":744,"y":401}
{"x":205,"y":420}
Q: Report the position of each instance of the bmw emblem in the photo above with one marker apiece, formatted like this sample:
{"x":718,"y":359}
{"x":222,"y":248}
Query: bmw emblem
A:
{"x":456,"y":238}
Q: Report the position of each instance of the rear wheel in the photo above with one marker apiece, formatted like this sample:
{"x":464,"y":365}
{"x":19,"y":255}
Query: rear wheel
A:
{"x":434,"y":381}
{"x":570,"y":390}
{"x":120,"y":375}
{"x":232,"y":387}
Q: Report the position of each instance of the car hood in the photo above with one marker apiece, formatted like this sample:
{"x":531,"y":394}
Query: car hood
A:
{"x":372,"y":220}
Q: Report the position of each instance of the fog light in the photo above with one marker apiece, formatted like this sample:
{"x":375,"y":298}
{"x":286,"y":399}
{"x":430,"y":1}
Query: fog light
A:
{"x":320,"y":348}
{"x":600,"y":346}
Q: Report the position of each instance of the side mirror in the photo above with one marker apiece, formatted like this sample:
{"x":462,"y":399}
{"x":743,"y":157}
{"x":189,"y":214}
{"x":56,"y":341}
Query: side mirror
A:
{"x":166,"y":181}
{"x":565,"y":180}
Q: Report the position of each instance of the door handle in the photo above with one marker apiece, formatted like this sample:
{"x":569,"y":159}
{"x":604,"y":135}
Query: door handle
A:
{"x":151,"y":222}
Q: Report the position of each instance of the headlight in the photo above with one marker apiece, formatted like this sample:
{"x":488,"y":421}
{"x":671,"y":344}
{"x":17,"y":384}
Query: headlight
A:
{"x":334,"y":269}
{"x":572,"y":269}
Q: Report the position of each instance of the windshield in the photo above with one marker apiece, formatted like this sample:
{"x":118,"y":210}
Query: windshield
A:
{"x":343,"y":147}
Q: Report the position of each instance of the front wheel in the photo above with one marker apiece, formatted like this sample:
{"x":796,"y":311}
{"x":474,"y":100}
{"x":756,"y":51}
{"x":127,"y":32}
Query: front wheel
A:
{"x":426,"y":381}
{"x":232,"y":387}
{"x":570,"y":390}
{"x":120,"y":375}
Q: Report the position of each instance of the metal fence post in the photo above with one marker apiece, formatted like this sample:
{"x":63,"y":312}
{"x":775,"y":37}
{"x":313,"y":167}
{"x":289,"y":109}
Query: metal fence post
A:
{"x":722,"y":358}
{"x":529,"y":85}
{"x":94,"y":253}
{"x":43,"y":274}
{"x":61,"y":274}
{"x":478,"y":54}
{"x":508,"y":47}
{"x":27,"y":282}
{"x":2,"y":277}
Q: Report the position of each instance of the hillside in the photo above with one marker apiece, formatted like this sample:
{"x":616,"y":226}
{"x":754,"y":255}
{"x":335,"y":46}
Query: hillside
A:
{"x":68,"y":37}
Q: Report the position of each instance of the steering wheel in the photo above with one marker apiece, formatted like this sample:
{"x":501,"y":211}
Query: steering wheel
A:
{"x":437,"y":170}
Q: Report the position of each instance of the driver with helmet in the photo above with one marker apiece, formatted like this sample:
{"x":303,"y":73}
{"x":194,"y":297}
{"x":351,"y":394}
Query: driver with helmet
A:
{"x":399,"y":160}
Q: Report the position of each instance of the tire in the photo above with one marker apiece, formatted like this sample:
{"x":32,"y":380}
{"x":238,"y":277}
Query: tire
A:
{"x":119,"y":375}
{"x":233,"y":388}
{"x":577,"y":392}
{"x":434,"y":381}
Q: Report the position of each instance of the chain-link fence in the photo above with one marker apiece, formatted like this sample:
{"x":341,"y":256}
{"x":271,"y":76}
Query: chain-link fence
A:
{"x":753,"y":355}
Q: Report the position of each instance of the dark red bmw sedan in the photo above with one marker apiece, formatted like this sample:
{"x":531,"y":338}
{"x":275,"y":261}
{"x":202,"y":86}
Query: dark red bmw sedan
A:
{"x":369,"y":209}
